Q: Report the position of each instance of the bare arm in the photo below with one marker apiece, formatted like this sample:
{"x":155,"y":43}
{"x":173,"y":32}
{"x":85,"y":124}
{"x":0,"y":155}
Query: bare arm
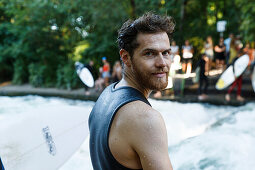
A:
{"x":149,"y":139}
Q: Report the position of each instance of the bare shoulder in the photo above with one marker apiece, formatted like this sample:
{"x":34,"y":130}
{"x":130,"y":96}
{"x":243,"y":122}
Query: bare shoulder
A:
{"x":139,"y":119}
{"x":142,"y":129}
{"x":138,"y":114}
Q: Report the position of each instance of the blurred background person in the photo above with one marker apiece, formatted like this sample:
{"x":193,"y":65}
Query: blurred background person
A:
{"x":99,"y":83}
{"x":220,"y":54}
{"x":237,"y":82}
{"x":91,"y":68}
{"x":106,"y":71}
{"x":174,"y":50}
{"x":117,"y":71}
{"x":175,"y":59}
{"x":203,"y":80}
{"x":233,"y":50}
{"x":209,"y":52}
{"x":227,"y":42}
{"x":187,"y":55}
{"x":238,"y":43}
{"x":247,"y":50}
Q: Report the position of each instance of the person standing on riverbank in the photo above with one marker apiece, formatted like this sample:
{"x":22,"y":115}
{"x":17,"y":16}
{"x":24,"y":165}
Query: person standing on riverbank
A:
{"x":237,"y":82}
{"x":203,"y":80}
{"x":187,"y":55}
{"x":249,"y":51}
{"x":227,"y":44}
{"x":116,"y":72}
{"x":125,"y":131}
{"x":209,"y":52}
{"x":174,"y":50}
{"x":90,"y":67}
{"x":220,"y":54}
{"x":106,"y":71}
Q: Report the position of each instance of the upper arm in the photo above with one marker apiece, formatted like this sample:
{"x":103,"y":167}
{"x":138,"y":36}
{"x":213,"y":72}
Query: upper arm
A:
{"x":149,"y":139}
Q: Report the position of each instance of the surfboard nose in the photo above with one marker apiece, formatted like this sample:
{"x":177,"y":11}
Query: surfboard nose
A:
{"x":78,"y":65}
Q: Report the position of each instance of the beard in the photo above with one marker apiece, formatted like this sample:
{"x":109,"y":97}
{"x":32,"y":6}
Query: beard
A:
{"x":147,"y":80}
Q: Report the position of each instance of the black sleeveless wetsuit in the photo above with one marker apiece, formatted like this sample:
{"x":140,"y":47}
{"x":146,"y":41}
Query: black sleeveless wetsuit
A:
{"x":100,"y":121}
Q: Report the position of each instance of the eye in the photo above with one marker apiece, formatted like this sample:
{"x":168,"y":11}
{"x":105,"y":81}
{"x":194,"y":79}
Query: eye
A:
{"x":166,"y":53}
{"x":148,"y":53}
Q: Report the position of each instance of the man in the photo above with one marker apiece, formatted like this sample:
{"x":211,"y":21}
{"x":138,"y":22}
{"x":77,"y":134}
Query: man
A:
{"x":125,"y":131}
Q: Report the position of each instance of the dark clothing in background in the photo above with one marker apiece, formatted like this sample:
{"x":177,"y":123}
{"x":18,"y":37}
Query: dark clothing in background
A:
{"x":203,"y":80}
{"x":93,"y":72}
{"x":1,"y":165}
{"x":220,"y":55}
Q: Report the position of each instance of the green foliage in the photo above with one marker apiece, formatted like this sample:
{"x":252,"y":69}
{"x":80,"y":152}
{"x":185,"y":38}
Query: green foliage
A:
{"x":36,"y":74}
{"x":20,"y":72}
{"x":102,"y":32}
{"x":40,"y":39}
{"x":198,"y":45}
{"x":41,"y":32}
{"x":247,"y":25}
{"x":67,"y":77}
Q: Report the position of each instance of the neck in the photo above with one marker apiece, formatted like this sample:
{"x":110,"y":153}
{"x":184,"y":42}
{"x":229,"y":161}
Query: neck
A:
{"x":130,"y":81}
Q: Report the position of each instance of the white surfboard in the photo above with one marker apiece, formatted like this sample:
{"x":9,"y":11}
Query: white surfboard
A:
{"x":253,"y":79}
{"x":228,"y":77}
{"x":84,"y":74}
{"x":43,"y":140}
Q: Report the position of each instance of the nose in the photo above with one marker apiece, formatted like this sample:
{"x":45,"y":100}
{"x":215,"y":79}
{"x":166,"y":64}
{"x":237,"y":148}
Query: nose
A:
{"x":160,"y":61}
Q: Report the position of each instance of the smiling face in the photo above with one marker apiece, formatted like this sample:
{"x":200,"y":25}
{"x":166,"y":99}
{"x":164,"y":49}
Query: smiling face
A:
{"x":150,"y":62}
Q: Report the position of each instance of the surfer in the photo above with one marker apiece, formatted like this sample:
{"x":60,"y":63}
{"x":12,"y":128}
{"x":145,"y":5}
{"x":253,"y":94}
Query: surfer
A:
{"x":125,"y":131}
{"x":203,"y":80}
{"x":237,"y":82}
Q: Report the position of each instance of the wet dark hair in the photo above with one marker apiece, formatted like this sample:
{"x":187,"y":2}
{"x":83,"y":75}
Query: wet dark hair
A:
{"x":148,"y":23}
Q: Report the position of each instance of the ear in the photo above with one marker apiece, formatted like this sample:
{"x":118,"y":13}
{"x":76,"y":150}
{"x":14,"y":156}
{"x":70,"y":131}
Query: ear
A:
{"x":125,"y":57}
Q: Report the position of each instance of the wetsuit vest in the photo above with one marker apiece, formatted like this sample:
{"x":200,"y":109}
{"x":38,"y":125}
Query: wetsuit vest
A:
{"x":100,"y":121}
{"x":1,"y":165}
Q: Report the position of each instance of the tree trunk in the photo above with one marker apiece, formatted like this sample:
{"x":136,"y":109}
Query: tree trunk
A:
{"x":182,"y":17}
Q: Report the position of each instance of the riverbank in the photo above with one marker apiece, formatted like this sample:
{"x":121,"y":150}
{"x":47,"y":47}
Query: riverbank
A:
{"x":184,"y":91}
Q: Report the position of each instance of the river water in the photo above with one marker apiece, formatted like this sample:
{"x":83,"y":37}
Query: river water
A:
{"x":200,"y":136}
